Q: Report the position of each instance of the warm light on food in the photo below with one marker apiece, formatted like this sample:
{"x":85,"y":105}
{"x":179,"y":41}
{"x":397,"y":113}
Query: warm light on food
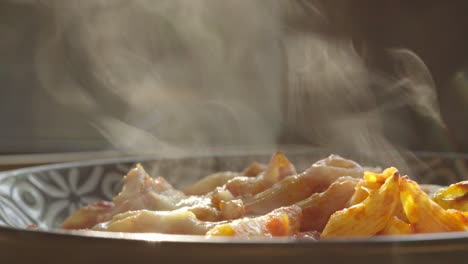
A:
{"x":334,"y":197}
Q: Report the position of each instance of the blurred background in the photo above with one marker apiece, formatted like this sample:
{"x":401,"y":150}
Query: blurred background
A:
{"x":158,"y":75}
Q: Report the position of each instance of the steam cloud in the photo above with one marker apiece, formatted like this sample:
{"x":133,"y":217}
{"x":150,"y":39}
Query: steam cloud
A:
{"x":167,"y":75}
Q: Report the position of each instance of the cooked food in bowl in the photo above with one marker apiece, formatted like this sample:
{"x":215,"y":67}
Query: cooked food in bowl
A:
{"x":335,"y":197}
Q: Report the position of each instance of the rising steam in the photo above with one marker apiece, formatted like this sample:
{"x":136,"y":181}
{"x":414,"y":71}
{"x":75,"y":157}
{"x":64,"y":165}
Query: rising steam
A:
{"x":166,"y":75}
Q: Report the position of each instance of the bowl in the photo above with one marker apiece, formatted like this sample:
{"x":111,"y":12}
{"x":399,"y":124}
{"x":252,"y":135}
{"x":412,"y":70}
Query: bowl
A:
{"x":45,"y":195}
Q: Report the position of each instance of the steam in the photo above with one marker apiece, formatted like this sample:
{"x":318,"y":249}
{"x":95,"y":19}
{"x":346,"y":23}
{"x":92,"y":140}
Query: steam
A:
{"x":179,"y":73}
{"x":337,"y":102}
{"x":169,"y":75}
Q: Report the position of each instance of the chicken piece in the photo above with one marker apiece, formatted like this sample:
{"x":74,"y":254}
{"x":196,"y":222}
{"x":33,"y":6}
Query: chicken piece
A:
{"x":167,"y":222}
{"x":224,"y":198}
{"x":281,"y":222}
{"x":205,"y":212}
{"x":139,"y":192}
{"x":453,"y":197}
{"x":142,"y":192}
{"x":200,"y":205}
{"x":89,"y":216}
{"x":284,"y":221}
{"x":254,"y":169}
{"x":426,"y":216}
{"x":252,"y":179}
{"x":317,"y":209}
{"x":368,"y":217}
{"x":277,"y":169}
{"x":295,"y":188}
{"x":210,"y":182}
{"x":219,"y":195}
{"x":232,"y":209}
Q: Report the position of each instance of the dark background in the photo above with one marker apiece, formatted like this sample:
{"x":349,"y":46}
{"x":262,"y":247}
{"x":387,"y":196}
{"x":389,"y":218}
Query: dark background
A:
{"x":435,"y":30}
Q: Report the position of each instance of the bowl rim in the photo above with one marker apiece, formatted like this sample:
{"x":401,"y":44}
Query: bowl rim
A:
{"x":205,"y":153}
{"x":428,"y":240}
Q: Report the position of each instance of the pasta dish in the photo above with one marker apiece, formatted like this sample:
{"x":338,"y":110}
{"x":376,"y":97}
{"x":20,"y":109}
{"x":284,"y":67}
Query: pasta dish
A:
{"x":334,"y":197}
